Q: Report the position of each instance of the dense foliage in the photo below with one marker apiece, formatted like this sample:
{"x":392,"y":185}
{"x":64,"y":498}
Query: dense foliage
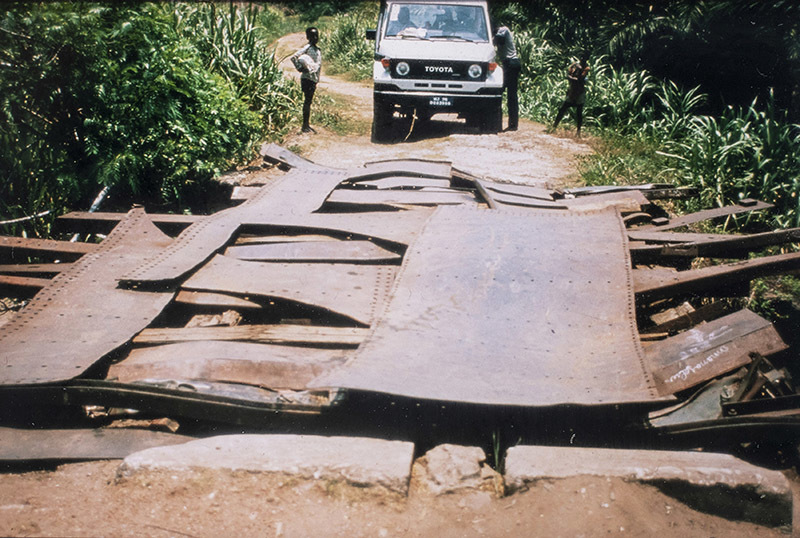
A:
{"x":149,"y":99}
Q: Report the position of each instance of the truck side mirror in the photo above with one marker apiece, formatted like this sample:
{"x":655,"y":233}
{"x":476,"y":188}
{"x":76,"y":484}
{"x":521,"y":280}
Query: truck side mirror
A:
{"x":372,"y":34}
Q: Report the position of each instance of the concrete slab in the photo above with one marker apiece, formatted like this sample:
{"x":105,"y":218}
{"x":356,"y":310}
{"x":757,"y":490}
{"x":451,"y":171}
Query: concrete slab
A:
{"x":357,"y":461}
{"x":716,"y":483}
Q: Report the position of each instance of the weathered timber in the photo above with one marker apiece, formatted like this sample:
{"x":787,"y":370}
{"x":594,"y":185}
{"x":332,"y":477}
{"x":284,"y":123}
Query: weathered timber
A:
{"x":204,"y":298}
{"x":728,"y":246}
{"x":49,"y":269}
{"x":320,"y":251}
{"x":265,"y":365}
{"x":275,"y":334}
{"x":17,"y":248}
{"x":26,"y":284}
{"x":689,"y":318}
{"x":707,"y":214}
{"x":659,"y":284}
{"x":102,"y":222}
{"x":710,"y":349}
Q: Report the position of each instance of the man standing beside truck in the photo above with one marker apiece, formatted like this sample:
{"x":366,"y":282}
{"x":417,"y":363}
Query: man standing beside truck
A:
{"x":507,"y":54}
{"x":308,"y":60}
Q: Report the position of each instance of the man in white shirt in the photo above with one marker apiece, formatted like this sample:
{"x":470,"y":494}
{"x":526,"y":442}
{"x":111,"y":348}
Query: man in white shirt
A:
{"x":308,"y":60}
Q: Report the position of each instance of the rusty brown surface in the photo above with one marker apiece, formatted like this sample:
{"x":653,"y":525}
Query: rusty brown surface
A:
{"x":412,"y":197}
{"x":81,"y":315}
{"x":315,"y":251}
{"x":710,"y":349}
{"x":355,"y":291}
{"x":518,"y":308}
{"x":265,"y":365}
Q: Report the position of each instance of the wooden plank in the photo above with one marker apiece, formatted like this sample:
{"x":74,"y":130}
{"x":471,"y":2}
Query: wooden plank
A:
{"x":709,"y":350}
{"x":104,"y":222}
{"x":10,"y":282}
{"x":687,"y":319}
{"x":34,"y":268}
{"x":15,"y":248}
{"x":319,"y":251}
{"x":726,"y":246}
{"x":271,"y":334}
{"x":707,"y":214}
{"x":659,"y":284}
{"x":221,"y":300}
{"x":264,"y":365}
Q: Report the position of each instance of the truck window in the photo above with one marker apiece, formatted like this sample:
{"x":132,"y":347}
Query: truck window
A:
{"x":437,"y":21}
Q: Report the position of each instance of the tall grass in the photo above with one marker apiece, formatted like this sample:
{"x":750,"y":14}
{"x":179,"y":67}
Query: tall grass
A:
{"x":347,"y":50}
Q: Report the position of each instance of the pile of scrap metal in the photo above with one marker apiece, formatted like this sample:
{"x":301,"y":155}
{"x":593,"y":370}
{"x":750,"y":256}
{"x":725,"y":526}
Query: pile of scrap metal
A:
{"x":403,"y":298}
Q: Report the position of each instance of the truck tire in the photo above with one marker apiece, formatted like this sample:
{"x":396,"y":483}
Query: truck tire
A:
{"x":492,"y":119}
{"x":381,"y":121}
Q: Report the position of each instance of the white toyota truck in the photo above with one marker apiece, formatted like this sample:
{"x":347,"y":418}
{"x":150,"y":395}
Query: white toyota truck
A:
{"x":435,"y":57}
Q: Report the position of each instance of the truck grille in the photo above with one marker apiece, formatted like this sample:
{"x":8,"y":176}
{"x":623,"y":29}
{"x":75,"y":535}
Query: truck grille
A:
{"x":441,"y":70}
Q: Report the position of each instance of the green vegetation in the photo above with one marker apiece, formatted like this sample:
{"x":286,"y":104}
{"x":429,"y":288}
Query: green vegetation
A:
{"x":152,"y":100}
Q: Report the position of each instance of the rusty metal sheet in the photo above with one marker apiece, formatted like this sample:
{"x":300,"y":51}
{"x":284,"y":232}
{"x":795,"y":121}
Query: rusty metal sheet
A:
{"x":34,"y":268}
{"x":277,"y":154}
{"x":315,"y":251}
{"x":413,"y":197}
{"x":402,"y":167}
{"x":102,"y":222}
{"x":15,"y":248}
{"x":350,"y":290}
{"x":81,"y":315}
{"x":526,"y":308}
{"x":244,"y":193}
{"x":525,"y":201}
{"x":221,"y":300}
{"x":78,"y":445}
{"x":306,"y":335}
{"x":710,"y":349}
{"x":707,"y":214}
{"x":526,"y":191}
{"x":625,"y":201}
{"x":265,"y":365}
{"x":288,"y":201}
{"x":403,"y":182}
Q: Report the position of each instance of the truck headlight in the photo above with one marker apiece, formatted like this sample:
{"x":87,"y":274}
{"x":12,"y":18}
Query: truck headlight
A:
{"x":402,"y":68}
{"x":475,"y":71}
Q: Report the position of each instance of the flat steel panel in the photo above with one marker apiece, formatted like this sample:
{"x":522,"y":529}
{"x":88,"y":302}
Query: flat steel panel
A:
{"x":315,"y":251}
{"x":526,"y":308}
{"x":265,"y":365}
{"x":403,"y":182}
{"x":81,"y":315}
{"x":402,"y":167}
{"x":411,"y":197}
{"x":355,"y":291}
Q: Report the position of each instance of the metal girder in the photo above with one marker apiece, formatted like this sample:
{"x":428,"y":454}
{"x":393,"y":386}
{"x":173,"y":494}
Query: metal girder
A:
{"x":51,"y":269}
{"x":707,"y":214}
{"x":102,"y":222}
{"x":81,"y":315}
{"x":355,"y":291}
{"x":515,"y":308}
{"x":14,"y":248}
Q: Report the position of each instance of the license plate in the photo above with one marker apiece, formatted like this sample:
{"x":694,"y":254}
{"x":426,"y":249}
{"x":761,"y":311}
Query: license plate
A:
{"x":441,"y":101}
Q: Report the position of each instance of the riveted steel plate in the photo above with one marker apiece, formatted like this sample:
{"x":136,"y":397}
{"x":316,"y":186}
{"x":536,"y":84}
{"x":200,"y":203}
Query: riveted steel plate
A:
{"x":414,"y":197}
{"x":402,"y":167}
{"x":355,"y":291}
{"x":518,"y":190}
{"x":402,"y":182}
{"x":81,"y":315}
{"x":288,"y":201}
{"x":264,"y":365}
{"x":315,"y":251}
{"x":517,"y":308}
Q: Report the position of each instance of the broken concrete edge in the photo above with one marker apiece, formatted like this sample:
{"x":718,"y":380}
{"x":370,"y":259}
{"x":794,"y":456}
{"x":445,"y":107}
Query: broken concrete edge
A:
{"x":719,"y":484}
{"x":449,"y":468}
{"x":360,"y":462}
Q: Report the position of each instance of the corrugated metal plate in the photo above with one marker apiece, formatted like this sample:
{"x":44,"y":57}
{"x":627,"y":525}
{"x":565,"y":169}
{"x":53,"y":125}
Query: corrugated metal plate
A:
{"x":519,"y":308}
{"x":355,"y":291}
{"x":82,"y":315}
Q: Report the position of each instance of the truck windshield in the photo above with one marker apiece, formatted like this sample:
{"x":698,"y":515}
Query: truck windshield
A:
{"x":439,"y":21}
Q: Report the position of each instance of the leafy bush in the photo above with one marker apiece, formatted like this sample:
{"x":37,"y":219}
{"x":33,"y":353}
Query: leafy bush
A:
{"x":150,"y":99}
{"x":345,"y":45}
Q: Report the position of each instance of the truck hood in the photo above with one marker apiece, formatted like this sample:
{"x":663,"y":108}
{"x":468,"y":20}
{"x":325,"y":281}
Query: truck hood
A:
{"x":436,"y":50}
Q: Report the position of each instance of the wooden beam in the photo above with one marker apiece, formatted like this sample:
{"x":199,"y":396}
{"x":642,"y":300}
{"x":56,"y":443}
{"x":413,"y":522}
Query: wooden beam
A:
{"x":274,"y":334}
{"x":659,"y":284}
{"x":15,"y":248}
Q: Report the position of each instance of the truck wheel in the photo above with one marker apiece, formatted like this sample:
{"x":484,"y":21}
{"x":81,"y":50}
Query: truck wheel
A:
{"x":492,"y":120}
{"x":381,"y":121}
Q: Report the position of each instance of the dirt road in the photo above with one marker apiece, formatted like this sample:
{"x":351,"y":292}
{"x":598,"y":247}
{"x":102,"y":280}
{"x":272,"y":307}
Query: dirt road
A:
{"x":86,"y":499}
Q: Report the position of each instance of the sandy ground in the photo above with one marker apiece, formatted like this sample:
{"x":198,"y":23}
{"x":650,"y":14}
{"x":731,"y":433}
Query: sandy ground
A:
{"x":86,"y":499}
